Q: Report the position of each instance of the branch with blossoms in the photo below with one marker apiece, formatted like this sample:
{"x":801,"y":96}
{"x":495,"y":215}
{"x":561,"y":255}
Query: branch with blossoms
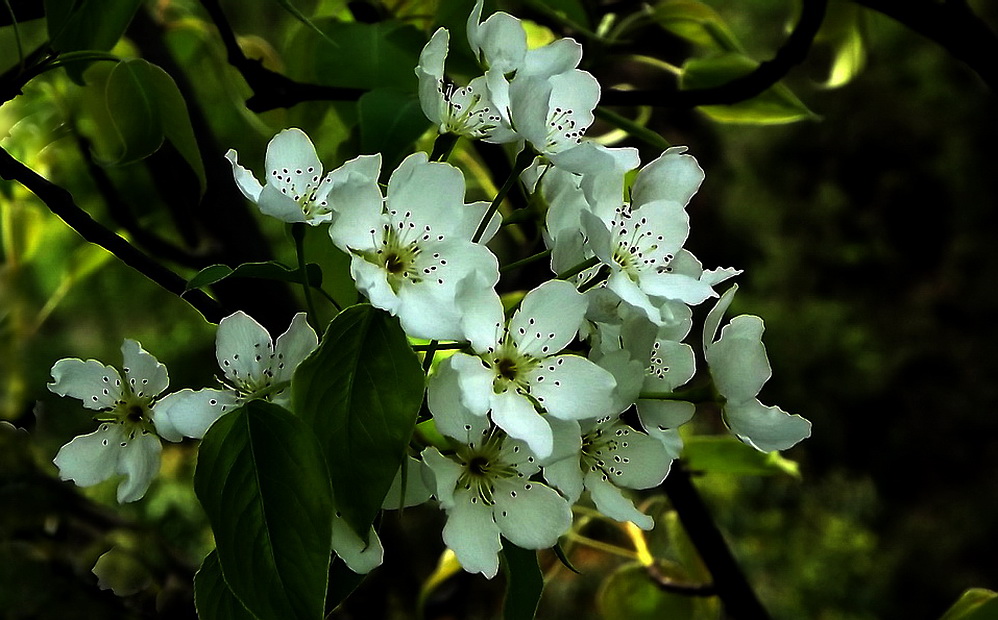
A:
{"x":571,"y":392}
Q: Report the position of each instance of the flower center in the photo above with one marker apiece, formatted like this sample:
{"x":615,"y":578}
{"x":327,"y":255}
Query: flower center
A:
{"x":635,"y":246}
{"x":466,"y":112}
{"x":601,"y":448}
{"x":483,"y":466}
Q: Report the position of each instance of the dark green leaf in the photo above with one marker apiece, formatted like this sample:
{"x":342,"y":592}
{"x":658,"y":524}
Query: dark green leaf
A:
{"x":133,"y":111}
{"x":381,"y":55}
{"x":263,"y":484}
{"x":269,"y":270}
{"x":774,"y":106}
{"x":524,"y":582}
{"x":974,"y":604}
{"x":360,"y":392}
{"x":342,"y":583}
{"x":88,"y":24}
{"x":212,"y":596}
{"x":390,"y":121}
{"x":174,"y":118}
{"x":722,"y":454}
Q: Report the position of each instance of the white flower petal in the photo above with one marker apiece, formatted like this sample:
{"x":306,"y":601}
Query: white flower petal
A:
{"x":92,"y":458}
{"x":674,"y":176}
{"x":444,"y":398}
{"x":240,"y":346}
{"x":529,"y":514}
{"x":738,"y":361}
{"x":475,"y":380}
{"x":672,"y":364}
{"x":361,"y":227}
{"x":279,"y":205}
{"x":430,"y":71}
{"x":291,"y":156}
{"x":472,"y":534}
{"x":515,"y":414}
{"x":431,"y":192}
{"x":661,"y":415}
{"x":481,"y":312}
{"x":571,"y":387}
{"x":548,"y":319}
{"x":445,"y":475}
{"x":97,"y":385}
{"x":566,"y":476}
{"x":627,"y":373}
{"x":558,"y":56}
{"x":190,"y":413}
{"x":360,"y":557}
{"x":638,"y":461}
{"x":676,"y":286}
{"x":417,"y":491}
{"x":765,"y":428}
{"x":138,"y":460}
{"x":372,"y":280}
{"x":352,"y":187}
{"x":245,"y":180}
{"x":716,"y":314}
{"x":610,"y":501}
{"x":292,"y":347}
{"x":145,"y":375}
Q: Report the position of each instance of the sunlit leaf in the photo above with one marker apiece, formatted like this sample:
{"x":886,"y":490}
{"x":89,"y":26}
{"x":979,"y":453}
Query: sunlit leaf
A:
{"x":974,"y":604}
{"x":360,"y":392}
{"x":696,"y":22}
{"x":842,"y":32}
{"x":524,"y":582}
{"x":721,"y":454}
{"x":262,"y":481}
{"x":776,"y":105}
{"x":212,"y":596}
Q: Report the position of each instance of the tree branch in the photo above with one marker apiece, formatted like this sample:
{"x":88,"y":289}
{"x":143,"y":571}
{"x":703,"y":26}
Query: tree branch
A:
{"x":953,"y":26}
{"x":729,"y":582}
{"x":271,"y":89}
{"x":61,"y":202}
{"x":743,"y":88}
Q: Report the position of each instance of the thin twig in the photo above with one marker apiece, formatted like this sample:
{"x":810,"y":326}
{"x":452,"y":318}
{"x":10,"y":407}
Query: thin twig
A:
{"x":61,"y":202}
{"x":742,"y":88}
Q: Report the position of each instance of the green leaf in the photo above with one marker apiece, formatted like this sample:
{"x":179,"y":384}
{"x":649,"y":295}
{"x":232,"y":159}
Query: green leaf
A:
{"x":133,"y":111}
{"x":842,"y":32}
{"x":297,"y":14}
{"x":263,"y":484}
{"x":630,"y":594}
{"x":776,"y":105}
{"x":721,"y":454}
{"x":142,"y":107}
{"x":75,"y":25}
{"x":974,"y":604}
{"x":696,"y":22}
{"x":212,"y":597}
{"x":390,"y":121}
{"x":381,"y":55}
{"x":360,"y":391}
{"x":342,"y":583}
{"x":269,"y":270}
{"x":524,"y":582}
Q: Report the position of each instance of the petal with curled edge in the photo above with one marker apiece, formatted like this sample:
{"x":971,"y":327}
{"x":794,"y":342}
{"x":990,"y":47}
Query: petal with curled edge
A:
{"x":92,"y":458}
{"x":138,"y":460}
{"x":515,"y":414}
{"x":245,"y":180}
{"x":610,"y":501}
{"x":360,"y":557}
{"x":292,"y":347}
{"x":472,"y":534}
{"x":765,"y":428}
{"x":145,"y":375}
{"x":97,"y":385}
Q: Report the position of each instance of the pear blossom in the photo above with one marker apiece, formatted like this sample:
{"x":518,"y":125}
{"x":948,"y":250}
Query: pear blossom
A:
{"x":126,"y":442}
{"x":740,"y":367}
{"x":553,"y":113}
{"x":610,"y":456}
{"x":462,"y":110}
{"x":642,"y":241}
{"x":253,"y":366}
{"x":500,"y":44}
{"x":518,"y":374}
{"x":486,"y":489}
{"x":293,"y":191}
{"x":409,"y":252}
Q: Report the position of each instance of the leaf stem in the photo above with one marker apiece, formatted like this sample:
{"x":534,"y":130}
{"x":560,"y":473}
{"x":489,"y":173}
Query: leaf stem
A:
{"x":443,"y":146}
{"x":592,"y":261}
{"x":525,"y":261}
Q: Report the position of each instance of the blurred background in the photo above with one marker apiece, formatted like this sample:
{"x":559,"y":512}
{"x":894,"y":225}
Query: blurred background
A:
{"x":867,"y":231}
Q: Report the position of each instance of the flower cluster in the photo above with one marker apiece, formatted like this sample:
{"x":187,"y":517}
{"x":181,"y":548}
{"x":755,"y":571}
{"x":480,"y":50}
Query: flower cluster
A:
{"x":578,"y":388}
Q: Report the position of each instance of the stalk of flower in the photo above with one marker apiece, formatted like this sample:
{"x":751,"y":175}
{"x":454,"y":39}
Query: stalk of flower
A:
{"x":126,"y":442}
{"x":253,"y":366}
